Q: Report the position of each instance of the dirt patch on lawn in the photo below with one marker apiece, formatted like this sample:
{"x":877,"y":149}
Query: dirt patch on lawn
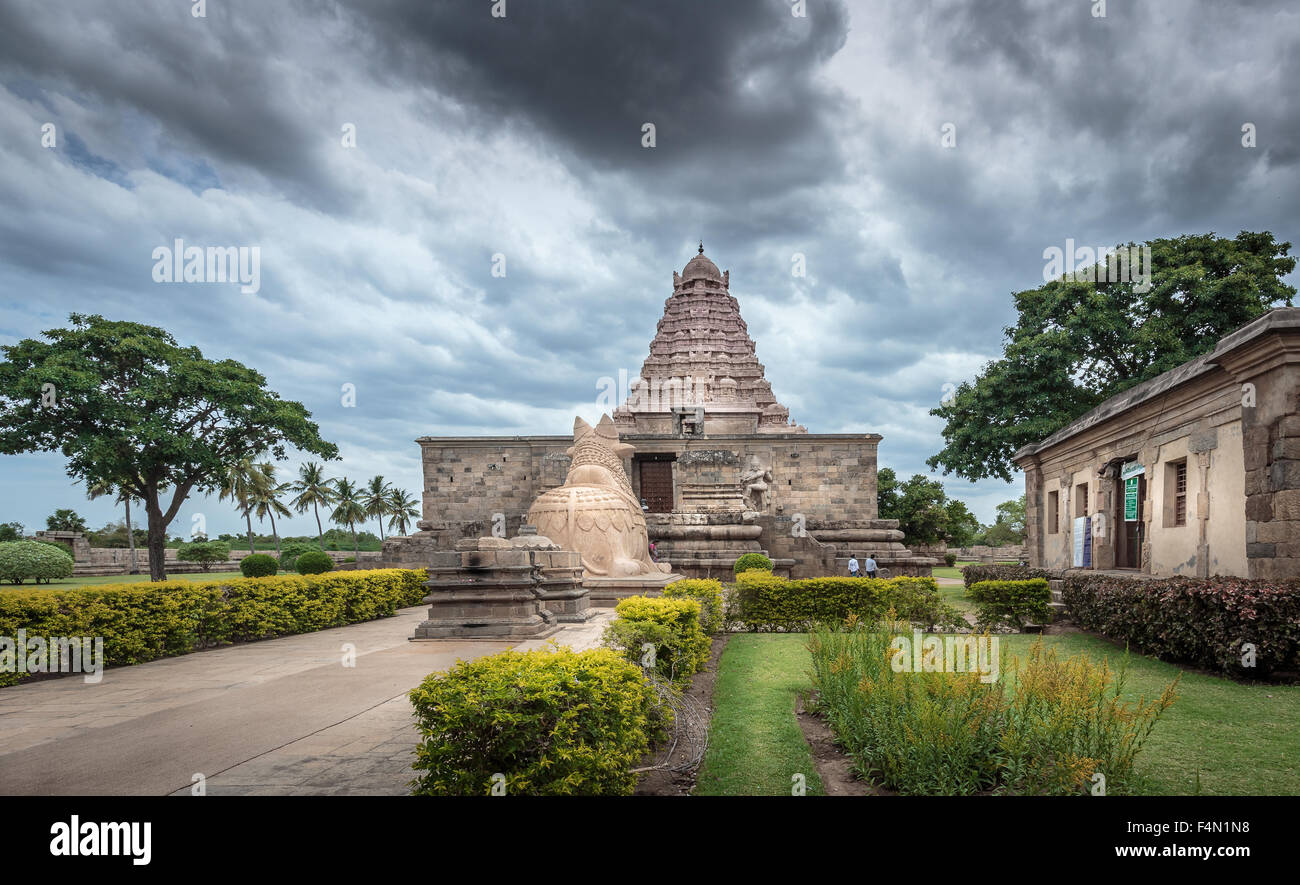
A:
{"x":662,"y":780}
{"x":834,"y":767}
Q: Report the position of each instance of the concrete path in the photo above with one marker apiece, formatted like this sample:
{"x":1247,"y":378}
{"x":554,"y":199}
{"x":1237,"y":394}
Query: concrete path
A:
{"x":280,"y":717}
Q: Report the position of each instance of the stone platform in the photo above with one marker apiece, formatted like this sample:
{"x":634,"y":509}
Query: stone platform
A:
{"x":494,"y":588}
{"x":606,"y":592}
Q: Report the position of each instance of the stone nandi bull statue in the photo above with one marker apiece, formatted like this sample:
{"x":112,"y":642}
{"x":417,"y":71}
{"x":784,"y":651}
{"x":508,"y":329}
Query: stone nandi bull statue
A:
{"x":595,"y":512}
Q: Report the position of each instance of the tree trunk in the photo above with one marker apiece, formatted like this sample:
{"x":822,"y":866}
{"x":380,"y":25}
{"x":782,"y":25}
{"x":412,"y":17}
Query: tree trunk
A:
{"x":249,"y":518}
{"x":157,"y":540}
{"x":130,"y":536}
{"x":320,"y":532}
{"x":381,"y":528}
{"x":275,"y":535}
{"x":356,"y":551}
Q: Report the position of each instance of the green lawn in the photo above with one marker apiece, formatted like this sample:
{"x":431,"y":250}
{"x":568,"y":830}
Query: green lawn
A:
{"x":1239,"y":739}
{"x":955,"y":595}
{"x":755,"y":744}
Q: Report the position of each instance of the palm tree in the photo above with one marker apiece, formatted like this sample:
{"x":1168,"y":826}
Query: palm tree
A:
{"x":266,"y":501}
{"x":314,"y":491}
{"x":98,"y":489}
{"x":350,"y":509}
{"x":403,"y":509}
{"x":375,"y":500}
{"x":243,"y":482}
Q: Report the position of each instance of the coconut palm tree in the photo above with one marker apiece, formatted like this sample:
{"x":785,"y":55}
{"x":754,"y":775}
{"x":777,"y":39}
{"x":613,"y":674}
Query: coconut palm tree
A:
{"x":403,"y":508}
{"x":314,"y":491}
{"x":349,"y":509}
{"x":100,"y":488}
{"x":266,"y":501}
{"x":243,"y":482}
{"x":375,"y":500}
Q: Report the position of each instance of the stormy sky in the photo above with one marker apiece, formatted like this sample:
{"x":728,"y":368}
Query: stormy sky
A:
{"x":521,"y":136}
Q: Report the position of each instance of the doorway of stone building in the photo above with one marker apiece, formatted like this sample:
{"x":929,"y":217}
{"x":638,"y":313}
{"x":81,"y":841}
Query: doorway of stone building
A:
{"x":656,"y":483}
{"x":1128,"y":519}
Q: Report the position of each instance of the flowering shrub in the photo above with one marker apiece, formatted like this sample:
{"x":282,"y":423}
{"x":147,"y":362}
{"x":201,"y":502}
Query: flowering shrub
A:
{"x":950,"y":733}
{"x":33,"y":561}
{"x":1242,"y":627}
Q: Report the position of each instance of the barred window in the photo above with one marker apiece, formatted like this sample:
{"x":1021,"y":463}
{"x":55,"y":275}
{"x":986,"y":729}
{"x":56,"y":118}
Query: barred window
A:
{"x":1180,"y":493}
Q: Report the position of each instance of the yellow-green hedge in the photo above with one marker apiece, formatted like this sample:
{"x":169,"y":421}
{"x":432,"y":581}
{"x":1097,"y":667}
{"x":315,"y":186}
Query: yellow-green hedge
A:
{"x":540,"y":723}
{"x":672,"y":626}
{"x":767,"y":602}
{"x":141,"y":622}
{"x":707,"y":592}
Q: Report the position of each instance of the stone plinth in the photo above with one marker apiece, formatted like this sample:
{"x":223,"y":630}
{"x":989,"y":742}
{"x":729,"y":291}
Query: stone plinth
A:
{"x":606,"y":592}
{"x":494,"y":588}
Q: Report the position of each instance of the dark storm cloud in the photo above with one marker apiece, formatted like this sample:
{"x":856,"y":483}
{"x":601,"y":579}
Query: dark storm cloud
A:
{"x":209,"y":84}
{"x":725,"y":83}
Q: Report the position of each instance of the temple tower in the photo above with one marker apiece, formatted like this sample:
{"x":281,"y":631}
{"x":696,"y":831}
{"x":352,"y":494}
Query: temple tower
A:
{"x":703,"y":375}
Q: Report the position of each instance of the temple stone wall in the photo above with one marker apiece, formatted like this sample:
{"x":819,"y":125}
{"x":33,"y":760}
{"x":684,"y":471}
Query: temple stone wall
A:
{"x":468,"y":481}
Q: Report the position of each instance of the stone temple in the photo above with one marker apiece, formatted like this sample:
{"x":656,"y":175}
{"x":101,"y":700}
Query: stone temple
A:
{"x":711,"y":454}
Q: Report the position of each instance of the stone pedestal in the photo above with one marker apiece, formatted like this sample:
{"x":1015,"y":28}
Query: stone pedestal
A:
{"x":606,"y":592}
{"x":493,"y":588}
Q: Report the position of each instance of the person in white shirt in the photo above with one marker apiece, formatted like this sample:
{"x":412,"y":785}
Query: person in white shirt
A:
{"x":853,"y":566}
{"x":870,"y":566}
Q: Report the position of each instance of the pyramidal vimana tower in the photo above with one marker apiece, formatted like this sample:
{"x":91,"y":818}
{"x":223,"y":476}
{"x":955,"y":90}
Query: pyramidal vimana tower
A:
{"x":717,"y":464}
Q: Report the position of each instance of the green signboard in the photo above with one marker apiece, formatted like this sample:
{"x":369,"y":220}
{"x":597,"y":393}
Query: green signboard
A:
{"x":1131,"y":499}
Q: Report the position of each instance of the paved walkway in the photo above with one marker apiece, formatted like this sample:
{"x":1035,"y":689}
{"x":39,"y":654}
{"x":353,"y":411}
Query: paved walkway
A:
{"x":280,"y":717}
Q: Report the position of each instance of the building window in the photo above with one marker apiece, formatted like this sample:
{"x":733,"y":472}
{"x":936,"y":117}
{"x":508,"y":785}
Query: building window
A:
{"x":1178,"y":482}
{"x":1053,"y":512}
{"x":1081,"y":500}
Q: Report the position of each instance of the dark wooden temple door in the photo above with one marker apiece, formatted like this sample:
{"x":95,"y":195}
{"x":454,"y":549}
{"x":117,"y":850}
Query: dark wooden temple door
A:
{"x":657,"y":485}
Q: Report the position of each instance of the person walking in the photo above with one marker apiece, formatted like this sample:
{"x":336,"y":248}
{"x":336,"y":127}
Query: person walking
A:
{"x":853,"y":566}
{"x":870,"y":566}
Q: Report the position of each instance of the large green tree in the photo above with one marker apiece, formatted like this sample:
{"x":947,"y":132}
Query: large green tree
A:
{"x":925,"y":513}
{"x":130,"y":407}
{"x":1076,"y":343}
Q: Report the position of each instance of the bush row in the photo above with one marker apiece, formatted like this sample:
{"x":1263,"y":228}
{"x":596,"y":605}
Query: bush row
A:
{"x":141,"y":622}
{"x":1245,"y":628}
{"x":766,"y":602}
{"x":660,"y":633}
{"x":973,"y":574}
{"x":543,"y":723}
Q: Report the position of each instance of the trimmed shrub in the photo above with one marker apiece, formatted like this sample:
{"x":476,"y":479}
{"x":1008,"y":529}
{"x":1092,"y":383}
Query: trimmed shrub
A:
{"x":1011,"y":603}
{"x":33,"y":561}
{"x":672,"y":626}
{"x":766,"y":602}
{"x":258,"y":565}
{"x":205,"y":553}
{"x":290,"y":551}
{"x":142,"y":622}
{"x":314,"y":562}
{"x":946,"y":733}
{"x":973,"y":574}
{"x":1205,"y":622}
{"x":950,"y":559}
{"x":749,"y":561}
{"x":707,"y":592}
{"x":550,"y":722}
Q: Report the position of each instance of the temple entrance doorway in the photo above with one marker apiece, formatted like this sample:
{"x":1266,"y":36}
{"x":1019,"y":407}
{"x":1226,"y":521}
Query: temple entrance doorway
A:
{"x":655,"y":475}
